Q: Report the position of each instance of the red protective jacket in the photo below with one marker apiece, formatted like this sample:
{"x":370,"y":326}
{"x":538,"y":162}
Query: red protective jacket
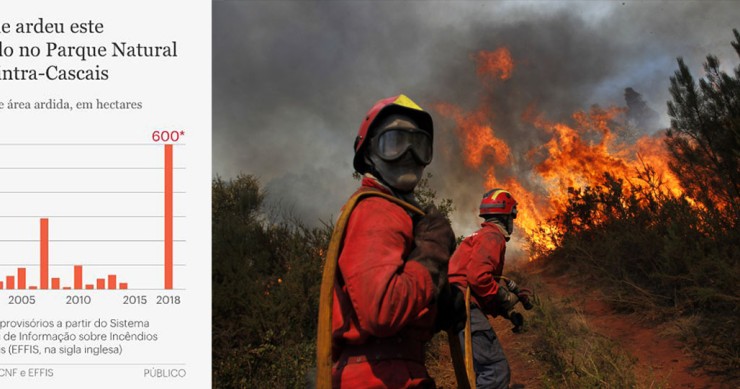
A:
{"x":477,"y":262}
{"x":382,"y":313}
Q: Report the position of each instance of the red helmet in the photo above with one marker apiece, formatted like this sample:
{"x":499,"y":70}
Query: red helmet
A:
{"x":497,"y":202}
{"x":400,"y":104}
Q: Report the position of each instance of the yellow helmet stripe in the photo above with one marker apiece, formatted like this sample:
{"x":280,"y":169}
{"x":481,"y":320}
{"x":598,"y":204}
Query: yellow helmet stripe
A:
{"x":496,"y":193}
{"x":405,"y":101}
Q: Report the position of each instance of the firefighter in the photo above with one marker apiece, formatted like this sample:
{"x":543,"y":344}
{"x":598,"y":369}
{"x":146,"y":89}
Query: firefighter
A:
{"x":478,"y":264}
{"x":392,"y":266}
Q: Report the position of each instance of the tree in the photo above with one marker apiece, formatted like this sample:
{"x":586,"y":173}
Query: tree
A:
{"x":639,"y":114}
{"x":704,"y":138}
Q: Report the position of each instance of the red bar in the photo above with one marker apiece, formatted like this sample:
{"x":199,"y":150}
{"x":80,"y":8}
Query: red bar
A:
{"x":78,"y":276}
{"x":123,"y":285}
{"x":21,"y":278}
{"x":66,"y":288}
{"x":89,"y":286}
{"x":168,"y":216}
{"x":9,"y":282}
{"x":101,"y":283}
{"x":1,"y":285}
{"x":34,"y":287}
{"x":55,"y":283}
{"x":44,"y":255}
{"x":112,"y":281}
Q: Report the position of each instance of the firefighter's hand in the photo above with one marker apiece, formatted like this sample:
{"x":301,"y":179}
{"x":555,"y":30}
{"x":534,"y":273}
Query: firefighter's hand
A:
{"x":523,"y":294}
{"x":505,"y":300}
{"x":451,"y":313}
{"x":434,"y":243}
{"x":434,"y":228}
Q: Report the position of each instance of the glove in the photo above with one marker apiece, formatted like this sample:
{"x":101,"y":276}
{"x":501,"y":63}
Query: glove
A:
{"x":522,"y":293}
{"x":504,"y":299}
{"x":517,"y":320}
{"x":435,"y":242}
{"x":451,"y":313}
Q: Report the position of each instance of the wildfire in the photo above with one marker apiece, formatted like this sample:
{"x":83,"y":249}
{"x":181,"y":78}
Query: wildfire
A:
{"x":652,"y":153}
{"x":477,"y":136}
{"x":570,"y":161}
{"x":576,"y":155}
{"x":497,"y":63}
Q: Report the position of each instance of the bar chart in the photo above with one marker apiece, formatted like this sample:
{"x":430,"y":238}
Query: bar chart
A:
{"x":105,"y":189}
{"x":79,"y":262}
{"x":96,"y":244}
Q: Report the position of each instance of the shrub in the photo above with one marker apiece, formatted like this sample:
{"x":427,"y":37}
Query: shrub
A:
{"x":266,"y":278}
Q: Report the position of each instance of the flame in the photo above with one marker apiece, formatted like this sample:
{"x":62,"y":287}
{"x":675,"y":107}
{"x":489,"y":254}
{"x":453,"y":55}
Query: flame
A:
{"x":497,"y":63}
{"x":652,"y":152}
{"x":477,"y":136}
{"x":576,"y":155}
{"x":573,"y":162}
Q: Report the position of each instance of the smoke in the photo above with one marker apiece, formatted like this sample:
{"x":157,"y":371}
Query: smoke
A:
{"x":292,"y":80}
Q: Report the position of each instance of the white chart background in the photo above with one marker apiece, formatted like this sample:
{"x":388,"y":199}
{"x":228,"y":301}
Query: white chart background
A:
{"x":98,"y":177}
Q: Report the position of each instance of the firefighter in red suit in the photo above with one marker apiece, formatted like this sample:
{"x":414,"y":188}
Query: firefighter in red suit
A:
{"x":478,"y":263}
{"x":393,"y":265}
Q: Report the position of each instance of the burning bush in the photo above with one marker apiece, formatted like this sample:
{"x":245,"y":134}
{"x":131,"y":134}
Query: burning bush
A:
{"x":654,"y":218}
{"x":672,"y":256}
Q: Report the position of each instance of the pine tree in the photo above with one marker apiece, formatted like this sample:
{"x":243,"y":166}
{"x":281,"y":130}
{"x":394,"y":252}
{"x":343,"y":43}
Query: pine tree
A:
{"x":704,"y":138}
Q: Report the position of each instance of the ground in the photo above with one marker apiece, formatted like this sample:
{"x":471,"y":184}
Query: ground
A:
{"x":660,"y":361}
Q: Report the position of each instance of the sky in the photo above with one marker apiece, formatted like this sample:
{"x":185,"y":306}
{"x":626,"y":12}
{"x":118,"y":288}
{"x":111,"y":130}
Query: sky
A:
{"x":292,"y":80}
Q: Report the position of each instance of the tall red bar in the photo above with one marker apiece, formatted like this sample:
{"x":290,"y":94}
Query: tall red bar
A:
{"x":44,"y":255}
{"x":112,"y":281}
{"x":9,"y":282}
{"x":168,"y":216}
{"x":78,"y":277}
{"x":21,"y":278}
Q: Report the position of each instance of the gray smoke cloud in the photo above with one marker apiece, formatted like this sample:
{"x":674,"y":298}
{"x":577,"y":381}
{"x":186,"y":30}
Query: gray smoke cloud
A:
{"x":292,"y":80}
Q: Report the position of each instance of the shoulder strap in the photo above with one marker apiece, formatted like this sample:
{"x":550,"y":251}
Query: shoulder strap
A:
{"x":326,"y":295}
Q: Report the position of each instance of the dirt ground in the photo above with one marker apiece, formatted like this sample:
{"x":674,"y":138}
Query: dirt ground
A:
{"x":661,"y":362}
{"x":526,"y":370}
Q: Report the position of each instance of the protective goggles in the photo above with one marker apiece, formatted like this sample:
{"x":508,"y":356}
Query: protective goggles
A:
{"x":391,"y":144}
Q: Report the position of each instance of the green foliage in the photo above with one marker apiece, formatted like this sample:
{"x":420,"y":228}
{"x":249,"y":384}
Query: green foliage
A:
{"x":704,"y":137}
{"x":428,"y":196}
{"x":266,"y":279}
